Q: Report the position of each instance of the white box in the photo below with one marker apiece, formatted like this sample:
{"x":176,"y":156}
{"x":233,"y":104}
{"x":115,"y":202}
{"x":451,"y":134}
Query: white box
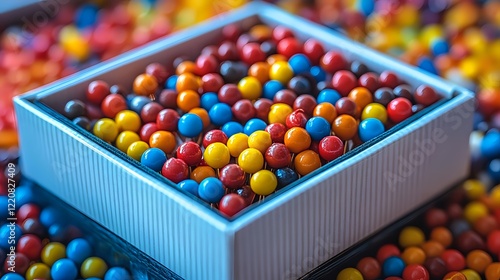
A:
{"x":292,"y":231}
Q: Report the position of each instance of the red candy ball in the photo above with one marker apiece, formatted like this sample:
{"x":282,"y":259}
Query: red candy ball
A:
{"x":330,"y":148}
{"x":289,"y":46}
{"x":285,"y":96}
{"x":493,"y":242}
{"x":369,"y":268}
{"x":229,"y":94}
{"x":231,"y":32}
{"x":344,"y":81}
{"x":30,"y":245}
{"x":251,"y":53}
{"x":206,"y":64}
{"x":112,"y":105}
{"x":167,"y":120}
{"x":150,"y":111}
{"x":97,"y":91}
{"x":399,"y":109}
{"x":27,"y":211}
{"x":211,"y":82}
{"x":278,"y":156}
{"x":453,"y":259}
{"x":386,"y":251}
{"x":190,"y":153}
{"x":231,"y":204}
{"x":296,"y":119}
{"x":262,"y":107}
{"x":147,"y":130}
{"x":22,"y":264}
{"x":277,"y":132}
{"x":214,"y":136}
{"x":425,"y":95}
{"x":370,"y":81}
{"x":232,"y":176}
{"x":281,"y":32}
{"x":333,"y":61}
{"x":415,"y":272}
{"x":175,"y":170}
{"x":305,"y":102}
{"x":243,"y":110}
{"x":314,"y":50}
{"x":158,"y":71}
{"x":389,"y":79}
{"x":168,"y":98}
{"x":436,"y":218}
{"x":228,"y":51}
{"x":345,"y":106}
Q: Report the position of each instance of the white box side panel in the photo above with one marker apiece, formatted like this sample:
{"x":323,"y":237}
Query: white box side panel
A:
{"x":337,"y":211}
{"x":176,"y":234}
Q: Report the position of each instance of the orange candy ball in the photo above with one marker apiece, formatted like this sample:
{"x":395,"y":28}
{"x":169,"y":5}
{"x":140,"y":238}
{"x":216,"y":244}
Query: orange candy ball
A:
{"x":145,"y":84}
{"x":203,"y":114}
{"x":163,"y":140}
{"x":361,"y":96}
{"x":202,"y":172}
{"x":442,"y":235}
{"x":345,"y":127}
{"x":325,"y":110}
{"x":187,"y":100}
{"x":297,"y":139}
{"x":187,"y":81}
{"x":413,"y":255}
{"x":306,"y":162}
{"x":478,"y":260}
{"x":432,"y":248}
{"x":185,"y":67}
{"x":260,"y":70}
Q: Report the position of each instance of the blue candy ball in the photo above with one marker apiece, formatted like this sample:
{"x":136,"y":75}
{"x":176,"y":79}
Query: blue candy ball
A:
{"x":439,"y":46}
{"x":138,"y":102}
{"x":366,"y":6}
{"x":328,"y":95}
{"x":253,"y":125}
{"x":12,"y":276}
{"x":211,"y":190}
{"x":220,"y":114}
{"x":64,"y":269}
{"x":285,"y":176}
{"x":190,"y":125}
{"x":232,"y":128}
{"x":393,"y":266}
{"x":154,"y":158}
{"x":318,"y":127}
{"x":117,"y":273}
{"x":208,"y":100}
{"x":86,"y":16}
{"x":78,"y":250}
{"x":427,"y":64}
{"x":189,"y":185}
{"x":270,"y":89}
{"x":171,"y":82}
{"x":50,"y":215}
{"x":24,"y":195}
{"x":57,"y":232}
{"x":494,"y":170}
{"x":318,"y":73}
{"x":9,"y":235}
{"x":490,"y":148}
{"x":299,"y":63}
{"x":370,"y":128}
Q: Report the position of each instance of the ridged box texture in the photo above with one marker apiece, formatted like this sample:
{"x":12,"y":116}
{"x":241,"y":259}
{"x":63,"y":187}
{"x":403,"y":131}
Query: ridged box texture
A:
{"x":292,"y":231}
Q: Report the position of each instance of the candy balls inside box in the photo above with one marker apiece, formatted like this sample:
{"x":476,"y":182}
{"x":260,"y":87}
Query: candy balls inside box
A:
{"x":248,"y":116}
{"x":258,"y":136}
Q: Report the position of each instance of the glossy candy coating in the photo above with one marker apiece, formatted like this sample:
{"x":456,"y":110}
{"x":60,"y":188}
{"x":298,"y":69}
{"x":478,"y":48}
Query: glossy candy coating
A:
{"x":297,"y":139}
{"x":318,"y":128}
{"x":260,"y":140}
{"x":52,"y":252}
{"x":190,"y":125}
{"x":128,"y":120}
{"x":163,"y":140}
{"x":220,"y":114}
{"x":330,"y":148}
{"x":231,"y":204}
{"x":106,"y":129}
{"x":187,"y":100}
{"x":370,"y":128}
{"x":78,"y":250}
{"x":237,"y":144}
{"x":263,"y":182}
{"x":154,"y":158}
{"x":202,"y":172}
{"x":345,"y":127}
{"x":251,"y":160}
{"x":145,"y":85}
{"x":399,"y":109}
{"x":38,"y":271}
{"x":278,"y":156}
{"x":216,"y":155}
{"x":93,"y":267}
{"x":211,"y":190}
{"x":306,"y":162}
{"x":64,"y":269}
{"x":175,"y":170}
{"x":190,"y":153}
{"x":167,"y":120}
{"x":136,"y":149}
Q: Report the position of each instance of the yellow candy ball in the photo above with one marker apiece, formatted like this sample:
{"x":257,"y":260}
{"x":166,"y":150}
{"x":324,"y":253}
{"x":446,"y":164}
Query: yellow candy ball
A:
{"x":128,"y":120}
{"x":136,"y":149}
{"x":250,"y":88}
{"x":217,"y":155}
{"x":106,"y":129}
{"x":93,"y":267}
{"x":475,"y":210}
{"x":495,"y":196}
{"x":278,"y":113}
{"x":263,"y":182}
{"x":251,"y":160}
{"x":375,"y":110}
{"x":53,"y":252}
{"x":411,"y":236}
{"x":281,"y":71}
{"x":38,"y":271}
{"x":474,"y":189}
{"x":237,"y":144}
{"x":260,"y":140}
{"x":125,"y":139}
{"x":471,"y":274}
{"x":350,"y":274}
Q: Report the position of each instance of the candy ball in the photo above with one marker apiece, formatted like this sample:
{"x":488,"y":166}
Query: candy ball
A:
{"x":38,"y":271}
{"x":93,"y":267}
{"x":52,"y":252}
{"x":163,"y":140}
{"x":297,"y":139}
{"x":64,"y":269}
{"x":128,"y":120}
{"x":190,"y":153}
{"x":220,"y":114}
{"x":254,"y":125}
{"x":154,"y":158}
{"x":370,"y":128}
{"x":250,"y":88}
{"x":187,"y":100}
{"x":232,"y":128}
{"x":306,"y":162}
{"x":190,"y":125}
{"x":415,"y":271}
{"x":237,"y":144}
{"x":369,"y":268}
{"x":136,"y":149}
{"x":211,"y":190}
{"x":328,"y":95}
{"x":232,"y":176}
{"x":125,"y":139}
{"x":260,"y":140}
{"x":285,"y":176}
{"x":393,"y":266}
{"x":411,"y":236}
{"x":214,"y":136}
{"x":106,"y":129}
{"x":345,"y":127}
{"x":145,"y":84}
{"x":78,"y":250}
{"x":350,"y":274}
{"x":330,"y":148}
{"x":263,"y":182}
{"x":376,"y":111}
{"x":208,"y":100}
{"x":399,"y":109}
{"x":96,"y":91}
{"x":318,"y":127}
{"x":281,"y":71}
{"x":231,"y":204}
{"x":216,"y":155}
{"x":325,"y":110}
{"x":167,"y":120}
{"x":251,"y":160}
{"x":189,"y":185}
{"x":175,"y":170}
{"x":278,"y":156}
{"x":279,"y":112}
{"x":202,"y":172}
